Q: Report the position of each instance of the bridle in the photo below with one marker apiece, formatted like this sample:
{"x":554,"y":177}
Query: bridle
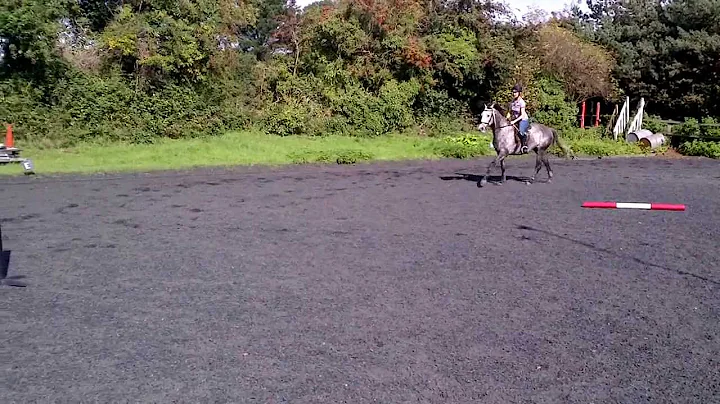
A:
{"x":494,"y":123}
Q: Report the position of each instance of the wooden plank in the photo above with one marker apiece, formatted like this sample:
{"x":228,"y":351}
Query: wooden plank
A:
{"x":671,"y":122}
{"x":12,"y":160}
{"x":708,"y":138}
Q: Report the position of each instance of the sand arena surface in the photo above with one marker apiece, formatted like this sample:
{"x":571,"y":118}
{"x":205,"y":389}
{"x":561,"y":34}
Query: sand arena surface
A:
{"x":390,"y":282}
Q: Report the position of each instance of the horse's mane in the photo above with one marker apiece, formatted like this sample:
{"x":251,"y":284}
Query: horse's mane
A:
{"x":500,"y":109}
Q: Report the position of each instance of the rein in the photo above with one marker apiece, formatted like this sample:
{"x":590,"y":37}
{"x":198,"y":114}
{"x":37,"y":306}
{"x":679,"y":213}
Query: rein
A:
{"x":494,"y":123}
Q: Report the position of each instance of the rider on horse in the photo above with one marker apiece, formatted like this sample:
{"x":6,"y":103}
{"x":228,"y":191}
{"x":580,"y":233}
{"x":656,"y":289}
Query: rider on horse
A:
{"x":517,"y":108}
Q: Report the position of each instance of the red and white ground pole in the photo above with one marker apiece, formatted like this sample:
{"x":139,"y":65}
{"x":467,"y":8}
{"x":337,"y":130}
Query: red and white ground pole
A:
{"x":633,"y":205}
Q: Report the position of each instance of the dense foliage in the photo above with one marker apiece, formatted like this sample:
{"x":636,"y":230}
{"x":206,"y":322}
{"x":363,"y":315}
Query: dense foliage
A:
{"x":666,"y":51}
{"x":138,"y":70}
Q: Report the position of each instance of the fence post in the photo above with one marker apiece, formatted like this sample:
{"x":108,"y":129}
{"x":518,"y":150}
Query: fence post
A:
{"x":627,"y":112}
{"x":597,"y":115}
{"x":622,"y":119}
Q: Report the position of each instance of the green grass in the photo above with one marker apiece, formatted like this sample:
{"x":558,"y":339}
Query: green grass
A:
{"x":604,"y":147}
{"x":234,"y":148}
{"x":257,"y":148}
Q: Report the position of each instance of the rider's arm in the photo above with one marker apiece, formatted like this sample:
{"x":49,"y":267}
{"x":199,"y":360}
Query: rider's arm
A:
{"x":523,"y":115}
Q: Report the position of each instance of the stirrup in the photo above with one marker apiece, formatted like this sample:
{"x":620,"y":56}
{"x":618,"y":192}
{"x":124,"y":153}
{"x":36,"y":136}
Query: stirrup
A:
{"x":523,"y":146}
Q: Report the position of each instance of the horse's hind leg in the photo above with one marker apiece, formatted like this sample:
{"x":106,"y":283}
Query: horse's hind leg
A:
{"x":502,"y":169}
{"x":547,"y":165}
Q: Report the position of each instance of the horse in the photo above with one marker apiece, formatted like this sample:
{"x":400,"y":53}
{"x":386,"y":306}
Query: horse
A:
{"x":539,"y":138}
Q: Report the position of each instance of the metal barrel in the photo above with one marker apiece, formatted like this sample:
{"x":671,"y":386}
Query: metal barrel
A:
{"x":636,"y":135}
{"x":653,"y":141}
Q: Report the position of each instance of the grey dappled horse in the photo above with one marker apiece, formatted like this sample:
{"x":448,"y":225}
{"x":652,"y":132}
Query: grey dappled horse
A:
{"x":506,"y":142}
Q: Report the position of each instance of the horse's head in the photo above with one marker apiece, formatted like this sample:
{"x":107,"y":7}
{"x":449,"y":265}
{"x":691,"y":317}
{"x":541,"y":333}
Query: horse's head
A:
{"x":487,"y":118}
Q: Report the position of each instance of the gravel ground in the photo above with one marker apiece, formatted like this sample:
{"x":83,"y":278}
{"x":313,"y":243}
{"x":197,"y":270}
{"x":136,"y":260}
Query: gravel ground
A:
{"x":390,"y":282}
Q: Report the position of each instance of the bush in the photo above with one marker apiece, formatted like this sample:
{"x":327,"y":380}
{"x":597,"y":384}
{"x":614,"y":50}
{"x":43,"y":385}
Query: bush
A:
{"x":591,"y":142}
{"x":445,"y":126}
{"x":547,"y":102}
{"x":700,"y":148}
{"x":306,"y":157}
{"x":21,"y":107}
{"x":464,"y":146}
{"x":553,"y":109}
{"x":352,"y":156}
{"x":313,"y":107}
{"x":691,"y":127}
{"x":603,"y":147}
{"x":652,"y":123}
{"x":362,"y":111}
{"x":710,"y":131}
{"x":340,"y":156}
{"x":82,"y":107}
{"x":434,"y":103}
{"x":581,"y":134}
{"x":371,"y":115}
{"x":287,"y":120}
{"x":584,"y":67}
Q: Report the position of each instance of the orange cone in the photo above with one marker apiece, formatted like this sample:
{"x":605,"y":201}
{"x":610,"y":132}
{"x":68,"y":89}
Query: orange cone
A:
{"x":9,"y":137}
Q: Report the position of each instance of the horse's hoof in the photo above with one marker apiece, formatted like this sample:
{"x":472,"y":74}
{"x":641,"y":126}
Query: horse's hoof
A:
{"x":482,"y":182}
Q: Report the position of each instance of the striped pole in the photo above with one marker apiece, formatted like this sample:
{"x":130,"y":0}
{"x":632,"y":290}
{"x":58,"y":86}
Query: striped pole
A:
{"x":633,"y":205}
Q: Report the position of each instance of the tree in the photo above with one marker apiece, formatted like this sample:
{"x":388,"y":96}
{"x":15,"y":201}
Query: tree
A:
{"x":584,"y":68}
{"x":666,"y":51}
{"x":161,"y":40}
{"x":29,"y":29}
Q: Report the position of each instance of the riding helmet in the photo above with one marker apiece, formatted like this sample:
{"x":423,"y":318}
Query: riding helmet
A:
{"x":517,"y":88}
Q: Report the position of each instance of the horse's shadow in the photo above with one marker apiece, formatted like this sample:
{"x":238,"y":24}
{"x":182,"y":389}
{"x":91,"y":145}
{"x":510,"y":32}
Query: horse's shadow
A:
{"x":493,"y":179}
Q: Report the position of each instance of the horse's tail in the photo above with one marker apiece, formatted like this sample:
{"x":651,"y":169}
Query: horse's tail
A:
{"x":563,"y":146}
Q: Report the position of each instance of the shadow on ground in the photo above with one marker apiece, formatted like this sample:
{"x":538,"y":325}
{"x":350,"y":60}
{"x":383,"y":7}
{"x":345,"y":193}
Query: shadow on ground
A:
{"x":492,"y":179}
{"x":613,"y":253}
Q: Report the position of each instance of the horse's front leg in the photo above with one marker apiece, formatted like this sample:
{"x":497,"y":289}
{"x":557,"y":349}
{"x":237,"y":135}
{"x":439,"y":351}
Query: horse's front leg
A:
{"x":538,"y":166}
{"x":499,"y":159}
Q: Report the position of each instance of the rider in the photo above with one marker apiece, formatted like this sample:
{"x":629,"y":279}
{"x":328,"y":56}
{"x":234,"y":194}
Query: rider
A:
{"x":517,"y":107}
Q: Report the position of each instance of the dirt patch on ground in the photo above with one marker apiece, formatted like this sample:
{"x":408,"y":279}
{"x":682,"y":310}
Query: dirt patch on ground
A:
{"x":671,"y":153}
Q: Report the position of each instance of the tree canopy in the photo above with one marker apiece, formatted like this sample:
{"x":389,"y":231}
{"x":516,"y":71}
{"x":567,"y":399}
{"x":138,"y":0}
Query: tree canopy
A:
{"x":141,"y":69}
{"x":667,"y":51}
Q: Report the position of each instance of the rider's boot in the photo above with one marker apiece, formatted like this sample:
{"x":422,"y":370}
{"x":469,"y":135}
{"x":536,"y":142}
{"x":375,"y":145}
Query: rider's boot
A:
{"x":523,"y":144}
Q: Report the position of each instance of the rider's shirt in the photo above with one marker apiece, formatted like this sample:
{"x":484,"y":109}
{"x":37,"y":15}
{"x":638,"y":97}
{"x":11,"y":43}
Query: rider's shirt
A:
{"x":516,"y":107}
